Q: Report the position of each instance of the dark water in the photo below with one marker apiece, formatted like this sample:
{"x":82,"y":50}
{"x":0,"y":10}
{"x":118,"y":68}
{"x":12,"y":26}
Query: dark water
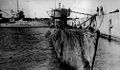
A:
{"x":28,"y":49}
{"x":24,"y":49}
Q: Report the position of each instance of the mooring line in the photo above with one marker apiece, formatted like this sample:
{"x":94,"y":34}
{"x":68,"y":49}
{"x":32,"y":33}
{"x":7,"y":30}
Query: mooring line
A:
{"x":96,"y":45}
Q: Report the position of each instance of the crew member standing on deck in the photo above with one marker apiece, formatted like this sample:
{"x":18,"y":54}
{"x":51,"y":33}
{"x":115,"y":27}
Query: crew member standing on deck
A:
{"x":97,"y":10}
{"x":101,"y":10}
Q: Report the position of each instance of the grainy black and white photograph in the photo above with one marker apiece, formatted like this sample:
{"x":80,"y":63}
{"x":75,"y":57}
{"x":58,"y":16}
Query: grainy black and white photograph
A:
{"x":59,"y":35}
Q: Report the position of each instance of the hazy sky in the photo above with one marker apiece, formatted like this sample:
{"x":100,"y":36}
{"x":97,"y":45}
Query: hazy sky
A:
{"x":38,"y":8}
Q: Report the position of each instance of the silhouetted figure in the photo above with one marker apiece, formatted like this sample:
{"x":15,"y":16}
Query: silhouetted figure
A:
{"x":98,"y":10}
{"x":101,"y":10}
{"x":0,"y":14}
{"x":110,"y":27}
{"x":21,"y":15}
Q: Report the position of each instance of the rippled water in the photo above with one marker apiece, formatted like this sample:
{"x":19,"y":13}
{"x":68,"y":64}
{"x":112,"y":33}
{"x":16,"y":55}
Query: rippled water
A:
{"x":28,"y":49}
{"x":24,"y":49}
{"x":108,"y":55}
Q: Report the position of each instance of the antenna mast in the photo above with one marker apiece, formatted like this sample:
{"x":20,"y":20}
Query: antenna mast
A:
{"x":17,"y":6}
{"x":55,"y":4}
